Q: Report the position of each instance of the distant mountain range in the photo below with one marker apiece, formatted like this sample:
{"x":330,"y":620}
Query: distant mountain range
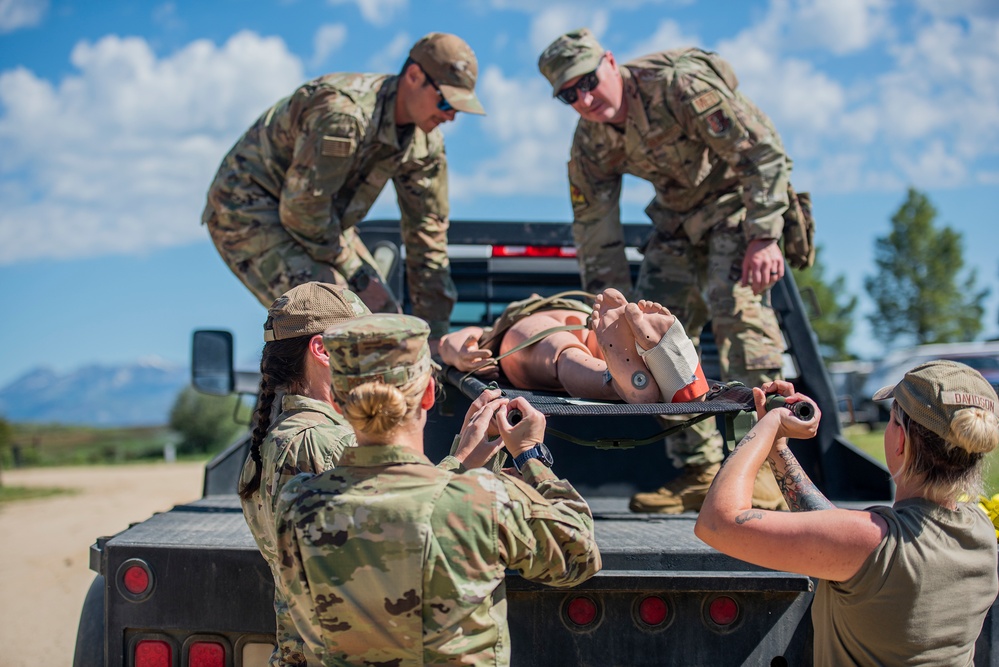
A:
{"x":138,"y":394}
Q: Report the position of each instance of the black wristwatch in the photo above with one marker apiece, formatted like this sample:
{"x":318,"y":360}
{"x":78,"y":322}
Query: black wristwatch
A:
{"x":359,"y":281}
{"x":538,"y":451}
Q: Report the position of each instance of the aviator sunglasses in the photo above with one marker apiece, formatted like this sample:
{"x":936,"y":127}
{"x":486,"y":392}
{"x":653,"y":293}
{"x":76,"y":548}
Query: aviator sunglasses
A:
{"x":586,"y":83}
{"x":442,"y":103}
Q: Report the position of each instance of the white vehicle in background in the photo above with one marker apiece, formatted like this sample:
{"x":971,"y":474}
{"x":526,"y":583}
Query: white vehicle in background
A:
{"x":982,"y":356}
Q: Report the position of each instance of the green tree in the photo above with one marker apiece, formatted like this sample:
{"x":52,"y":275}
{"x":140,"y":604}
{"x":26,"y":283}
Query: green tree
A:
{"x":917,"y":291}
{"x":205,"y":423}
{"x":834,"y":324}
{"x":6,"y":433}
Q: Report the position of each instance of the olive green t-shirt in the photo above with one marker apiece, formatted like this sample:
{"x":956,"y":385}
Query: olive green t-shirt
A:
{"x":921,"y":597}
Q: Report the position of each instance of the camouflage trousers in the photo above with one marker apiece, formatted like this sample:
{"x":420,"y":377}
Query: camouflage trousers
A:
{"x":700,"y":283}
{"x":284,"y":263}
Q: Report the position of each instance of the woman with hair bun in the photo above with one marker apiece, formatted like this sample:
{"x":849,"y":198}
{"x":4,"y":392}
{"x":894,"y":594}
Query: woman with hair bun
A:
{"x":902,"y":585}
{"x":404,"y":562}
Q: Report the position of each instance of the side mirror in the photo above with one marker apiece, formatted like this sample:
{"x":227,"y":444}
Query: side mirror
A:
{"x":211,"y":362}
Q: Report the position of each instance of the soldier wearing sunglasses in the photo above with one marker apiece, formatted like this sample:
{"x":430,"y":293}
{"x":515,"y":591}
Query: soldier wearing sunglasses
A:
{"x":677,"y":120}
{"x":284,"y":204}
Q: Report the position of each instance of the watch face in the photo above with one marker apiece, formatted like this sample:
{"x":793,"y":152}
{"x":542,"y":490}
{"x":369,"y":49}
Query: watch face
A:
{"x":539,"y":451}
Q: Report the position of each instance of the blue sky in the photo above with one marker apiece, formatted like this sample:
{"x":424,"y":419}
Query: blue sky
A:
{"x":114,"y":116}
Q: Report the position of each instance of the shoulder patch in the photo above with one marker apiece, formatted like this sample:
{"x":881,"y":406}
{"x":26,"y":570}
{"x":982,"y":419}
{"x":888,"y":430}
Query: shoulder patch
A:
{"x":706,"y":100}
{"x":576,"y":195}
{"x":719,"y":123}
{"x":337,"y":146}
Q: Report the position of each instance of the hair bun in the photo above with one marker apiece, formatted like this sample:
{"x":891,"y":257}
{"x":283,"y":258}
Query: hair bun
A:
{"x":974,"y":430}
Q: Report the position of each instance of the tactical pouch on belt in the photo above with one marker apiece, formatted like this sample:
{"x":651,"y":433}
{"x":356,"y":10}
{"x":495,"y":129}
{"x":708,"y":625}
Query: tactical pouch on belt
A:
{"x":799,"y":230}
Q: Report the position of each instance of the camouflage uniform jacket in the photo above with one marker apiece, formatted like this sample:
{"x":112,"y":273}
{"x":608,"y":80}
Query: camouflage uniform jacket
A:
{"x":308,"y":436}
{"x":711,"y":155}
{"x":323,"y":155}
{"x":405,"y":562}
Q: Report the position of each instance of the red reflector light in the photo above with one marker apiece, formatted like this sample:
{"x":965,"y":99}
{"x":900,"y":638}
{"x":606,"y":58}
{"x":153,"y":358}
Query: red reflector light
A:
{"x":153,"y":653}
{"x":136,"y":580}
{"x":206,"y":654}
{"x":653,"y":610}
{"x":723,"y":610}
{"x":533,"y":251}
{"x":581,"y":610}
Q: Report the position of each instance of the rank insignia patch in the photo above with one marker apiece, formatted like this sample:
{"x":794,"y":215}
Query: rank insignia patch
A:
{"x":576,"y":195}
{"x":337,"y":146}
{"x":718,"y":123}
{"x":704,"y":102}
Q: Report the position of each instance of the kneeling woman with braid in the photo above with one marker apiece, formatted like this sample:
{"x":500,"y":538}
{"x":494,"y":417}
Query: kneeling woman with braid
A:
{"x":307,"y":435}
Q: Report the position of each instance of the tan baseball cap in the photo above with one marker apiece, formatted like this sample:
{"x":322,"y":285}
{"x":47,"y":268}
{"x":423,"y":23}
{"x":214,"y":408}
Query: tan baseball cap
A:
{"x":933,"y":392}
{"x":573,"y":54}
{"x":309,"y":309}
{"x":451,"y":63}
{"x":384,"y":347}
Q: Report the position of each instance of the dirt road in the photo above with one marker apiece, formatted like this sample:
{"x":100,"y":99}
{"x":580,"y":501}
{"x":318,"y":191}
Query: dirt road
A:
{"x":44,"y":574}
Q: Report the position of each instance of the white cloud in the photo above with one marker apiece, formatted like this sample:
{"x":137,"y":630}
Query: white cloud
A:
{"x":376,"y":12}
{"x":555,"y":20}
{"x":15,"y":14}
{"x":391,"y":58}
{"x":529,"y":157}
{"x":959,"y":7}
{"x":927,"y":89}
{"x":804,"y":103}
{"x":328,"y":39}
{"x":669,"y":35}
{"x":532,"y":6}
{"x":935,"y":166}
{"x":841,"y":26}
{"x":117,"y":157}
{"x":166,"y":16}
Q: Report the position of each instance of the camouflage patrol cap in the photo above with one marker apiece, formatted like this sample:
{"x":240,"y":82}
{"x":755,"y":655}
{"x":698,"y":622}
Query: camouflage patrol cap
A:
{"x":573,"y":54}
{"x":933,"y":392}
{"x":387,"y":348}
{"x":451,"y":63}
{"x":308,"y":309}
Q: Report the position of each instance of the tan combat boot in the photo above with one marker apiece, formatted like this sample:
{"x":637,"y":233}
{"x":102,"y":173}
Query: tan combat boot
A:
{"x":686,"y":492}
{"x":682,"y":494}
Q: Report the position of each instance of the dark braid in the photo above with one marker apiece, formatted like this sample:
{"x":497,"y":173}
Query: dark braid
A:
{"x":282,"y":366}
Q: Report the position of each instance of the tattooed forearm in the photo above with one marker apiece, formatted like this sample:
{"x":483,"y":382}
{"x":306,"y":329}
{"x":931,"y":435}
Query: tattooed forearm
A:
{"x":748,"y":515}
{"x":799,"y":491}
{"x":749,"y":436}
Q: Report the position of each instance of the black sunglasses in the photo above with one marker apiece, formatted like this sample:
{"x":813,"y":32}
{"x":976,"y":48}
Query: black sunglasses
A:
{"x":442,"y":103}
{"x":586,"y":83}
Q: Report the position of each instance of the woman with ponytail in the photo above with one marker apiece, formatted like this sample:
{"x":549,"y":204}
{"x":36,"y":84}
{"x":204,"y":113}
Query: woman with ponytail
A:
{"x":402,"y":562}
{"x":307,"y":434}
{"x":902,"y":585}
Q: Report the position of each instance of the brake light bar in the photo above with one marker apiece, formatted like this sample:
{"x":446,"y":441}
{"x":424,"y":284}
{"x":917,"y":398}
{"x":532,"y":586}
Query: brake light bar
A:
{"x":533,"y":251}
{"x":153,"y":653}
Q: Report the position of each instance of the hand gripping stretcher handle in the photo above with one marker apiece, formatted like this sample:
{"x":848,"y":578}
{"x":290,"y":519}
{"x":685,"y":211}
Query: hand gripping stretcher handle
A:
{"x":803,"y":410}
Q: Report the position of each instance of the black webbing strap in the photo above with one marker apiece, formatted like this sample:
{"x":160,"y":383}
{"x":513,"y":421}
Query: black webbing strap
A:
{"x":722,"y":399}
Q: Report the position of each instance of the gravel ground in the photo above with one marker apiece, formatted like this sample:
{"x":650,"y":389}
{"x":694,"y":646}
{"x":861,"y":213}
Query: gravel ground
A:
{"x":44,"y":567}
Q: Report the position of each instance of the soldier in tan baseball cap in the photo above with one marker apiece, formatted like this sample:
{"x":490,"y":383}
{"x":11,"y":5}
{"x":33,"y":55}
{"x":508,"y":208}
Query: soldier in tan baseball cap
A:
{"x":286,"y":200}
{"x":307,"y":434}
{"x":450,"y":64}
